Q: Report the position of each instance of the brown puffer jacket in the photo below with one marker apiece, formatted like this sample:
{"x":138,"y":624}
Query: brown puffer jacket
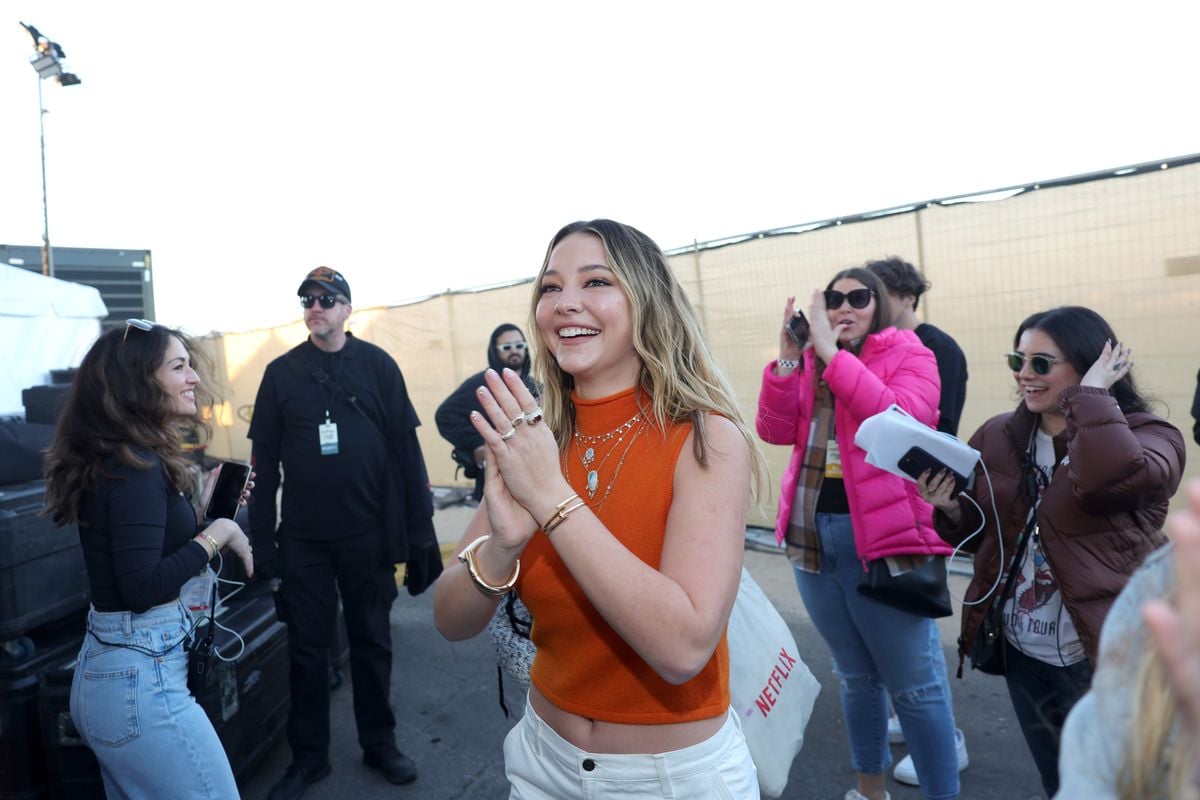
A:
{"x":1099,"y":517}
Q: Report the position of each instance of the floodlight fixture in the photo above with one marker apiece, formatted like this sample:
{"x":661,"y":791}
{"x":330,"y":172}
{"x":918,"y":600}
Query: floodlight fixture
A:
{"x":47,"y":63}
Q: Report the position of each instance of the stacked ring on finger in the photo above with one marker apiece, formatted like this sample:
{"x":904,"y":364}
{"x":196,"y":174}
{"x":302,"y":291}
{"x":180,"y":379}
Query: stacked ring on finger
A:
{"x":517,"y":420}
{"x":504,"y":437}
{"x":535,"y":416}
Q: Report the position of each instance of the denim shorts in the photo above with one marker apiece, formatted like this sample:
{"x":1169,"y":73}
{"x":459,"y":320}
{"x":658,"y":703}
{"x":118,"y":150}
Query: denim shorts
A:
{"x":131,"y":705}
{"x":541,"y":765}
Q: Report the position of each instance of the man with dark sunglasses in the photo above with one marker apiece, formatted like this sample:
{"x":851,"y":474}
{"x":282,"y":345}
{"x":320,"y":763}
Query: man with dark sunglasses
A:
{"x":506,"y":348}
{"x":335,"y":414}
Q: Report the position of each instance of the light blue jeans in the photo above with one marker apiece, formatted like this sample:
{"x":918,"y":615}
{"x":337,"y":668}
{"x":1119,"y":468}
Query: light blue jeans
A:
{"x":133,"y":709}
{"x":878,"y":648}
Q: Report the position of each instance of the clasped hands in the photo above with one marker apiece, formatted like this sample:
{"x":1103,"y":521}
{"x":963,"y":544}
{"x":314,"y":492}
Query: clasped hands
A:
{"x":523,"y":478}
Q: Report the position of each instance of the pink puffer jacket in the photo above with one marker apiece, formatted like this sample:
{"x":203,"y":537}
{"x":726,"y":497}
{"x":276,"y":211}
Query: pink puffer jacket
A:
{"x":887,"y":512}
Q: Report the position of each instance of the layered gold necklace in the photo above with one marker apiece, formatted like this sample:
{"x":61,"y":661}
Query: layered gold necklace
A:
{"x":586,"y":446}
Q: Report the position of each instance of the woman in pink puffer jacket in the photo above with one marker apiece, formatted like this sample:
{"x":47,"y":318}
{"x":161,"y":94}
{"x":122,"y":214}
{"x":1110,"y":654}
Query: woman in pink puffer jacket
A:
{"x":837,"y":512}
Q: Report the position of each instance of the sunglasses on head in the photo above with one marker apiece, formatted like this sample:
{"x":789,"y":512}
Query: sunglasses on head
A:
{"x":518,"y":346}
{"x":1041,"y":364}
{"x":859,"y":298}
{"x":137,"y":324}
{"x":327,"y":301}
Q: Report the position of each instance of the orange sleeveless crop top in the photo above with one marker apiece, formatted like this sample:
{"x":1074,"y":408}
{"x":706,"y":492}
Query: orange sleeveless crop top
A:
{"x":582,"y":665}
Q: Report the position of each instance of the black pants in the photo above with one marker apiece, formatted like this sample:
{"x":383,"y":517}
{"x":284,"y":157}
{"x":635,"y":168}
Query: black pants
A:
{"x":313,"y":572}
{"x":1042,"y":694}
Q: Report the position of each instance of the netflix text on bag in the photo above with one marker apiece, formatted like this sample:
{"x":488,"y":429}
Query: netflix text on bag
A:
{"x":779,"y":673}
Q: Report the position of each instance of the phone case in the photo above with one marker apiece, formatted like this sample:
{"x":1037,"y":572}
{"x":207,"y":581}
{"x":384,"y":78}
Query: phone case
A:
{"x":917,"y":460}
{"x":797,"y":329}
{"x":227,"y":492}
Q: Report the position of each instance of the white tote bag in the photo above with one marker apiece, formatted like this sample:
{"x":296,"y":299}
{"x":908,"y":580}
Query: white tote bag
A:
{"x":771,"y":689}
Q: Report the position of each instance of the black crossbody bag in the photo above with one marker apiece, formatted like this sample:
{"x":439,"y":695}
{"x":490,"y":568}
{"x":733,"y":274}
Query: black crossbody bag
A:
{"x":987,"y":653}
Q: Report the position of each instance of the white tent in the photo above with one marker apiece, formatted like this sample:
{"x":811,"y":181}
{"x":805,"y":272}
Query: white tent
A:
{"x":45,"y":324}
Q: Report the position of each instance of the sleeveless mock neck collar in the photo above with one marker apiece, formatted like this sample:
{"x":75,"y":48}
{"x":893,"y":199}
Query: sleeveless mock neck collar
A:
{"x":595,"y":417}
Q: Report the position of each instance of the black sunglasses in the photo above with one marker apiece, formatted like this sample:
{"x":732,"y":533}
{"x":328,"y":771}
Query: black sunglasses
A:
{"x":1041,"y":364}
{"x":137,"y":324}
{"x":327,"y":301}
{"x":511,"y":345}
{"x":859,"y":298}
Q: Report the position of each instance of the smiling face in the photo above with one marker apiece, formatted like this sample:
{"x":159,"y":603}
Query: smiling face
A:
{"x":584,"y":318}
{"x":847,"y":322}
{"x":177,"y":378}
{"x":1040,"y":392}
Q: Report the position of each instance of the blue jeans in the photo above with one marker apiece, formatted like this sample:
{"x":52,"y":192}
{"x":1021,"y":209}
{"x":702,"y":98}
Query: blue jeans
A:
{"x":133,"y":709}
{"x":875,"y":648}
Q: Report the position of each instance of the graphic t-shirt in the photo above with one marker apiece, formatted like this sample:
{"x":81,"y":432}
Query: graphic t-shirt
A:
{"x":1035,"y":621}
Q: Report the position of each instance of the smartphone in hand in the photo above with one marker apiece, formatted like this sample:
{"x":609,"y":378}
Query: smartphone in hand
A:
{"x":227,"y":491}
{"x":917,"y":460}
{"x":797,"y":329}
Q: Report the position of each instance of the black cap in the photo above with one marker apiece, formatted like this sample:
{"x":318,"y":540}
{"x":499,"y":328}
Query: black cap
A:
{"x":328,"y":279}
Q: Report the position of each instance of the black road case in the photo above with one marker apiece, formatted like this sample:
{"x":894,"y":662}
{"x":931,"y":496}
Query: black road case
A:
{"x":42,"y":575}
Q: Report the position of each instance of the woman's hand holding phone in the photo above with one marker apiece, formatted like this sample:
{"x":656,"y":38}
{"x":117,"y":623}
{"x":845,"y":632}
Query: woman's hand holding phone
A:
{"x":936,"y":489}
{"x":793,"y":335}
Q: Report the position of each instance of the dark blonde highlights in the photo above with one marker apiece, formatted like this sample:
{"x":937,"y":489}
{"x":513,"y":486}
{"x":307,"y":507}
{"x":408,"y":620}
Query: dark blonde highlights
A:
{"x":678,"y":374}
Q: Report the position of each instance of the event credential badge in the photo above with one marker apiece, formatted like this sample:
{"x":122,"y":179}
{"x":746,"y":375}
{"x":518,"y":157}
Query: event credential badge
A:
{"x":327,"y":436}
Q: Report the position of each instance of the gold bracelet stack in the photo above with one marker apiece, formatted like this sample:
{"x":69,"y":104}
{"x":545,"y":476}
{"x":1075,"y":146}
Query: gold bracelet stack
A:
{"x":216,"y":548}
{"x":560,"y":514}
{"x":467,"y":556}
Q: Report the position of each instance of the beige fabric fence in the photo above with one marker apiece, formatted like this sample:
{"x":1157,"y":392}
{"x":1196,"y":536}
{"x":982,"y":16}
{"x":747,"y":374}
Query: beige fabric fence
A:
{"x":1129,"y":247}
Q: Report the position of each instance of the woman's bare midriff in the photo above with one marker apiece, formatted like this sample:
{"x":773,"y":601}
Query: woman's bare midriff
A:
{"x":596,"y":736}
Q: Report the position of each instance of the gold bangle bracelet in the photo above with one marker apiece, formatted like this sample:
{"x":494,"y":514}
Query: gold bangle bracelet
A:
{"x":216,"y":548}
{"x":561,"y":517}
{"x":467,"y":556}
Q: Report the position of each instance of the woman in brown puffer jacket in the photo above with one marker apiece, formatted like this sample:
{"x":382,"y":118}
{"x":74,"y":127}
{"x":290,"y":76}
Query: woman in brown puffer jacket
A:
{"x":1102,"y":469}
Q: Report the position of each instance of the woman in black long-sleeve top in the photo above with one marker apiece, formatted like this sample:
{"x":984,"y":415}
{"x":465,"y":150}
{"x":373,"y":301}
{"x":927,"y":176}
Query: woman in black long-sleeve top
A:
{"x":117,"y":468}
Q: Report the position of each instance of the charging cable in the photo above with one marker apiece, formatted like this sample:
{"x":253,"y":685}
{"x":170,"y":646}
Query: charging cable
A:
{"x":983,"y":524}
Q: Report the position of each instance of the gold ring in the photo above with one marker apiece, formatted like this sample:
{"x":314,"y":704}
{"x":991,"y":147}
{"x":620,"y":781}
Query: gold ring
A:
{"x":504,"y":437}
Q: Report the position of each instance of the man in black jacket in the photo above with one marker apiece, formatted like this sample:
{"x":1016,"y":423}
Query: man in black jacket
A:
{"x":506,"y":348}
{"x":335,"y":413}
{"x":905,"y":285}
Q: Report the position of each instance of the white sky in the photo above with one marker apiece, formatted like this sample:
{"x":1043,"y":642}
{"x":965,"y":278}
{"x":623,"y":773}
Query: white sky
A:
{"x":425,"y":146}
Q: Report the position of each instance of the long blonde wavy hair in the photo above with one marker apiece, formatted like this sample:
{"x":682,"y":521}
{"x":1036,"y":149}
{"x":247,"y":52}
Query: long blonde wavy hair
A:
{"x":678,"y":372}
{"x":1158,"y":762}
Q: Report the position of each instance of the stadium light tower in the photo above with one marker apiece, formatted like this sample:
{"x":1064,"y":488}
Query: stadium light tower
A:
{"x":47,"y":62}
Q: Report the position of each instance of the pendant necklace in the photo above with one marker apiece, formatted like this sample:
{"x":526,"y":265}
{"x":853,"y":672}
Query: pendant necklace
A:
{"x":587,"y":450}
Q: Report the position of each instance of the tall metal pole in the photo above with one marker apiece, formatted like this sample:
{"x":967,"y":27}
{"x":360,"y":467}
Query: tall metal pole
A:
{"x":47,"y":253}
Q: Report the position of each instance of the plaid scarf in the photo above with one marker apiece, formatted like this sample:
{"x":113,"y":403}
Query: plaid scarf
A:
{"x":803,"y":543}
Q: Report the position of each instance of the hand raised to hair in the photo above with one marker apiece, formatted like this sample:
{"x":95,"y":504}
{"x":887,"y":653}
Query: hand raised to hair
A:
{"x":1113,"y":364}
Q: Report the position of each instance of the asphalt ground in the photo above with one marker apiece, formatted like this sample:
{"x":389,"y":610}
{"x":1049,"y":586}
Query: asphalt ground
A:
{"x":449,"y":719}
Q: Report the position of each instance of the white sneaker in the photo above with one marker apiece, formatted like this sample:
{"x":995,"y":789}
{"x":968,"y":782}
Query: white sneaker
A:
{"x":854,"y":794}
{"x":906,"y":772}
{"x":895,"y":734}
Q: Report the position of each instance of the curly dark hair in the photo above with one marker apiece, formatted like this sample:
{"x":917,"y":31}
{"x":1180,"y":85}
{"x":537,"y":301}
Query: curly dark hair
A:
{"x":900,"y":277}
{"x":116,"y":407}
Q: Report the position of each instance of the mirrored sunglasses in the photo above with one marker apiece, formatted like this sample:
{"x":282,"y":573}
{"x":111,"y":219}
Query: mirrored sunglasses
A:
{"x":143,"y":325}
{"x":505,"y":348}
{"x":327,"y":301}
{"x":859,"y":298}
{"x":1041,"y":364}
